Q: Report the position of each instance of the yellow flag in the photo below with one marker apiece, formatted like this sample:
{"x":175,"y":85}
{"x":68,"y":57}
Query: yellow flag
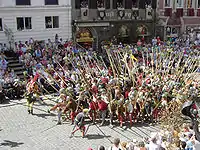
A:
{"x":133,"y":57}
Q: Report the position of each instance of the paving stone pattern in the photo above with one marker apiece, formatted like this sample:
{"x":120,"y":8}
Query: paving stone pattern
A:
{"x":22,"y":131}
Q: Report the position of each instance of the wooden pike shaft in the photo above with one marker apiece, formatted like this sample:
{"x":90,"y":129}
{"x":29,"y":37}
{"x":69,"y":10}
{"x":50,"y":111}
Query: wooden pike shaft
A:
{"x":45,"y":91}
{"x":48,"y":82}
{"x":53,"y":78}
{"x":114,"y":64}
{"x":103,"y":63}
{"x":111,"y":64}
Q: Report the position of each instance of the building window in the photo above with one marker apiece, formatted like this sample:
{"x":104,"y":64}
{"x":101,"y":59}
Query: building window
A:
{"x":23,"y":2}
{"x":100,"y":4}
{"x":198,"y":4}
{"x":1,"y":25}
{"x":52,"y":22}
{"x":167,"y":3}
{"x":84,"y":4}
{"x":189,"y":3}
{"x":24,"y":23}
{"x":134,"y":3}
{"x":179,"y":3}
{"x":51,"y":2}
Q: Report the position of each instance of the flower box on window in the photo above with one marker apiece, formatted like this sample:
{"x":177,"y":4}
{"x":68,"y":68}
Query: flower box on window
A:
{"x":168,"y":11}
{"x":198,"y":12}
{"x":179,"y":12}
{"x":190,"y":12}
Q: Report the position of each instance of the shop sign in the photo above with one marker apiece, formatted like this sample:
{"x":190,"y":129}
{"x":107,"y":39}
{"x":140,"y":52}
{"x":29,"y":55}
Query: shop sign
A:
{"x":84,"y":35}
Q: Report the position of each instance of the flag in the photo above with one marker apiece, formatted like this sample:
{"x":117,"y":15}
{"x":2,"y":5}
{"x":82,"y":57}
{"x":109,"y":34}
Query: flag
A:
{"x":133,"y":57}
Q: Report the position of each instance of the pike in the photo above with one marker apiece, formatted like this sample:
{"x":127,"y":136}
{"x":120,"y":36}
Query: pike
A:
{"x":111,"y":64}
{"x":48,"y":82}
{"x":45,"y":91}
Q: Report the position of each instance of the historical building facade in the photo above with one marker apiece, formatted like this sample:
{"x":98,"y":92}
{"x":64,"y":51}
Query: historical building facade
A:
{"x":39,"y":19}
{"x":178,"y":17}
{"x":124,"y":20}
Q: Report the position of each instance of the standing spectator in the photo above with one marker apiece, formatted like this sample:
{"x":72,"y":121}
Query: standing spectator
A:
{"x":0,"y":47}
{"x":31,"y":41}
{"x":101,"y":148}
{"x":20,"y":45}
{"x":24,"y":48}
{"x":116,"y":145}
{"x":38,"y":53}
{"x":3,"y":64}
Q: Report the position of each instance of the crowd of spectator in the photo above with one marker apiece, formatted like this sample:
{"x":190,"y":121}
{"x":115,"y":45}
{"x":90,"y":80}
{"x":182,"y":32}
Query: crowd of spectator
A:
{"x":6,"y":74}
{"x":163,"y":140}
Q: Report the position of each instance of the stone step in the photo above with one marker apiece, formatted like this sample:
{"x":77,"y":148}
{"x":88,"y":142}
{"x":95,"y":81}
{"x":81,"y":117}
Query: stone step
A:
{"x":21,"y":76}
{"x":18,"y":68}
{"x":19,"y":72}
{"x":11,"y":58}
{"x":15,"y":65}
{"x":11,"y":61}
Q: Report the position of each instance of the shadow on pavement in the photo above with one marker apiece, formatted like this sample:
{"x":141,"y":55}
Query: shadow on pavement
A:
{"x":44,"y":115}
{"x":96,"y":136}
{"x":10,"y":143}
{"x":13,"y":104}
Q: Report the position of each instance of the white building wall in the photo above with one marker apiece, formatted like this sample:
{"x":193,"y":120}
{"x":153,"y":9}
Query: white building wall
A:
{"x":37,"y":11}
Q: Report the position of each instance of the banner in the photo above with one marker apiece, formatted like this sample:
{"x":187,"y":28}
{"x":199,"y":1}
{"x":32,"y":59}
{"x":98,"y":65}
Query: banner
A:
{"x":84,"y":13}
{"x":149,"y":14}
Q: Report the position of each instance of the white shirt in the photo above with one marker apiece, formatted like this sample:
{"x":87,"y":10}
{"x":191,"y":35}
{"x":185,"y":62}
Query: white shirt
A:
{"x":153,"y":146}
{"x":130,"y":108}
{"x":114,"y":148}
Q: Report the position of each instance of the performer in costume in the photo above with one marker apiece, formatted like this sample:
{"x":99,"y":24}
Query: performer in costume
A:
{"x":129,"y":111}
{"x":60,"y":107}
{"x":121,"y":111}
{"x":93,"y":108}
{"x":79,"y":122}
{"x":102,"y":106}
{"x":72,"y":106}
{"x":32,"y":89}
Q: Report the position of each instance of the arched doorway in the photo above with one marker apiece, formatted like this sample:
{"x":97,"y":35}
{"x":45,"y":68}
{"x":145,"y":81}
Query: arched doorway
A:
{"x":84,"y":38}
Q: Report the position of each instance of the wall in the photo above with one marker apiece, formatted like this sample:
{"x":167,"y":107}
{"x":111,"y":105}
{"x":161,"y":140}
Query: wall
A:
{"x":37,"y":13}
{"x":11,"y":3}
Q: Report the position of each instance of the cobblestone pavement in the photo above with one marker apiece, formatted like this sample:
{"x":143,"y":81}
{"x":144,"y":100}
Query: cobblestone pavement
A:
{"x":22,"y":131}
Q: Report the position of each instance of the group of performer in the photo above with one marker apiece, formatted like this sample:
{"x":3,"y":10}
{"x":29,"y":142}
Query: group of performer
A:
{"x":133,"y":84}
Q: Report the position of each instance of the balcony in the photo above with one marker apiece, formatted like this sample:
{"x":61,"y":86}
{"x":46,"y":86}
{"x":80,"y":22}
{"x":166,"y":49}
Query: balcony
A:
{"x":190,"y":12}
{"x":168,"y":12}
